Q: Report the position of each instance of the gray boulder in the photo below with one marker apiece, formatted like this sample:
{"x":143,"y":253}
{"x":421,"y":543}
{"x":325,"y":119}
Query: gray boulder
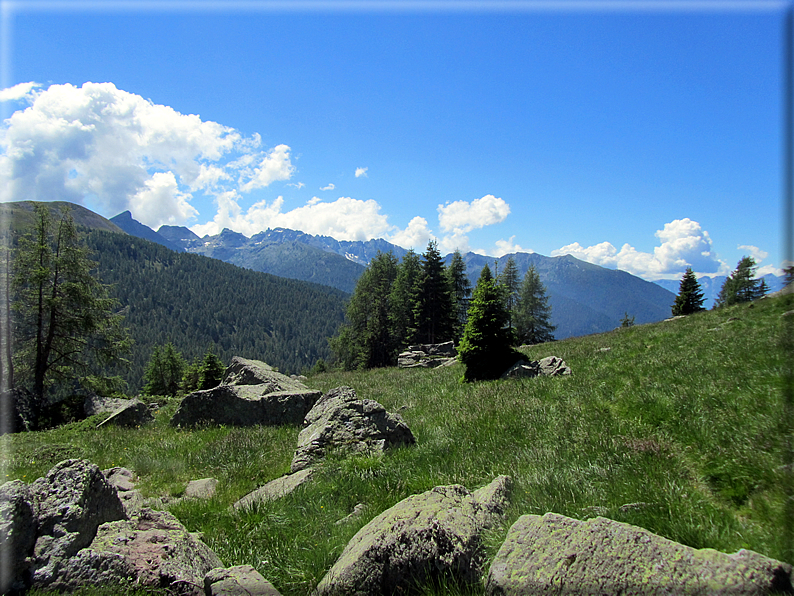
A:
{"x":71,"y":502}
{"x":556,"y":554}
{"x":426,"y":537}
{"x":122,"y":480}
{"x":95,"y":404}
{"x":340,"y":419}
{"x":276,"y":489}
{"x":242,"y":580}
{"x":132,"y":413}
{"x":551,"y":366}
{"x":203,"y":488}
{"x":152,"y":550}
{"x":17,"y":535}
{"x":254,"y":372}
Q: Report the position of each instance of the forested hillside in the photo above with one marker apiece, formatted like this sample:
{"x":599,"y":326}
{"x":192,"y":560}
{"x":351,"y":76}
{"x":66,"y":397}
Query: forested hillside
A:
{"x":197,"y":303}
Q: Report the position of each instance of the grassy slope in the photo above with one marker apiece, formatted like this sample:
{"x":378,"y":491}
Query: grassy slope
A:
{"x":673,"y":427}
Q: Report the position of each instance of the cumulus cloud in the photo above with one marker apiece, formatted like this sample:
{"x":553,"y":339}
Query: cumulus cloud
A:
{"x":361,"y":172}
{"x":126,"y":152}
{"x":415,"y":236}
{"x":506,"y":247}
{"x":755,"y":252}
{"x":460,"y":217}
{"x":329,"y":187}
{"x":17,"y":92}
{"x":683,"y":244}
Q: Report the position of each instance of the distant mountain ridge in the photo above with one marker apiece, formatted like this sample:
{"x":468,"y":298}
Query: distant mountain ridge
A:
{"x":135,"y":228}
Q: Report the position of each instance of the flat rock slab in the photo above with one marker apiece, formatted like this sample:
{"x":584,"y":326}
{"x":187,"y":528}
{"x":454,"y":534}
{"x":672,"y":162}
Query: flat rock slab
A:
{"x":276,"y":489}
{"x":254,"y":372}
{"x":201,"y":489}
{"x":432,"y":536}
{"x":132,"y":413}
{"x":554,"y":554}
{"x":242,"y":580}
{"x":340,"y":419}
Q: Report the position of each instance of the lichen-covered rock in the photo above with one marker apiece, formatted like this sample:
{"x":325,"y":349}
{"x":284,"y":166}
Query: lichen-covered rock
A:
{"x":423,"y":538}
{"x":275,"y":489}
{"x":554,"y":554}
{"x":242,"y":580}
{"x":245,"y":405}
{"x":17,"y":535}
{"x":151,"y":550}
{"x":553,"y":366}
{"x":122,"y":480}
{"x":340,"y":419}
{"x":253,"y":372}
{"x":71,"y":502}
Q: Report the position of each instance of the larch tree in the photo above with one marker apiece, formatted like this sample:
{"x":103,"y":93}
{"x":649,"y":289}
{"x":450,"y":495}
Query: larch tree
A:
{"x":486,"y":347}
{"x":741,"y":285}
{"x":66,"y":323}
{"x":690,"y":295}
{"x":164,"y":371}
{"x":532,"y":316}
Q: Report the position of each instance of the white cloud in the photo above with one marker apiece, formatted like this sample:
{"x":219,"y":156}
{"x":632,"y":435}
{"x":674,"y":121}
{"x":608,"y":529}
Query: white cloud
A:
{"x":683,"y":244}
{"x":19,"y":91}
{"x":297,"y":185}
{"x":415,"y":236}
{"x":329,"y":187}
{"x":755,"y":252}
{"x":123,"y":150}
{"x":361,"y":172}
{"x":313,"y":201}
{"x":506,"y":247}
{"x":461,"y":217}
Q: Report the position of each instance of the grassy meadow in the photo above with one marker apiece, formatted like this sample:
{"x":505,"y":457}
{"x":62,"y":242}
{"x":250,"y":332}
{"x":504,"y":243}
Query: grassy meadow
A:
{"x":678,"y":427}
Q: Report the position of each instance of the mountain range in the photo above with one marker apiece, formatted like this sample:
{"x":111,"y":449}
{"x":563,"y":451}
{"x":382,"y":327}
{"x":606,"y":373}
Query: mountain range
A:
{"x":585,"y":298}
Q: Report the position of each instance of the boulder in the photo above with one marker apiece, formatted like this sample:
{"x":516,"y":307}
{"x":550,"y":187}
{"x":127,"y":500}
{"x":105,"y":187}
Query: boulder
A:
{"x":17,"y":535}
{"x":432,"y":536}
{"x":522,"y":369}
{"x":95,"y":404}
{"x":446,"y":349}
{"x":556,"y":554}
{"x":71,"y":502}
{"x":152,"y":550}
{"x":253,"y":372}
{"x":242,"y":580}
{"x":340,"y":419}
{"x":551,"y":366}
{"x":201,"y":489}
{"x":276,"y":489}
{"x":132,"y":413}
{"x":245,"y":405}
{"x":122,"y":480}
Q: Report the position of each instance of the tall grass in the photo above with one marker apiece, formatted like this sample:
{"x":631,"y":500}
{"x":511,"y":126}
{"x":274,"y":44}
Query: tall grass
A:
{"x":674,"y":427}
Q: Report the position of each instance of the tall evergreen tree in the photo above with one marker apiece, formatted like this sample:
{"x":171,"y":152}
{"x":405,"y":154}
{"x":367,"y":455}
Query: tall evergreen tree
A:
{"x":435,"y":311}
{"x":65,"y":320}
{"x":533,"y":311}
{"x":164,"y":371}
{"x":461,"y":290}
{"x":509,"y":281}
{"x":366,"y":339}
{"x":211,"y":371}
{"x":690,"y":296}
{"x":741,"y":285}
{"x":486,"y":348}
{"x":403,"y":298}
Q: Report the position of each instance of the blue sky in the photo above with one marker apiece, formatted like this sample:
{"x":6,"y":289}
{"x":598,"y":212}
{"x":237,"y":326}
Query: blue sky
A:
{"x":639,"y":135}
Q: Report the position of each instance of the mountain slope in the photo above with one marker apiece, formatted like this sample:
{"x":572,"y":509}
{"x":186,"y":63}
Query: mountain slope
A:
{"x":18,"y":216}
{"x":136,"y":228}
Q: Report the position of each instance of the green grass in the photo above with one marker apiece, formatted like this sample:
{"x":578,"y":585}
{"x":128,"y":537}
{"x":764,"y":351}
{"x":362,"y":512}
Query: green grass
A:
{"x":677,"y":427}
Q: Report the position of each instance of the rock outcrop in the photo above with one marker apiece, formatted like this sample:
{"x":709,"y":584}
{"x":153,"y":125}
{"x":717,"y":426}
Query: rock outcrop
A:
{"x":556,"y":554}
{"x":432,"y":536}
{"x":427,"y":356}
{"x":242,"y":580}
{"x":340,"y":419}
{"x":130,"y":414}
{"x":551,"y":366}
{"x":252,"y":393}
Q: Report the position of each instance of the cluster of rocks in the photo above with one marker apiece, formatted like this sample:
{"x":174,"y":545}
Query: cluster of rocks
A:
{"x":551,"y":366}
{"x":427,"y":356}
{"x":73,"y":528}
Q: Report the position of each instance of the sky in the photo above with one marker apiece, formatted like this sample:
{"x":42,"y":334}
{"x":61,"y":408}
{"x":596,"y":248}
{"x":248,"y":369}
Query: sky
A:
{"x":639,"y":135}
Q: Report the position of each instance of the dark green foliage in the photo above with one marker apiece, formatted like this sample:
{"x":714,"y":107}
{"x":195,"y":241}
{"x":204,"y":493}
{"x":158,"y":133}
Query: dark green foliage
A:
{"x":65,"y":319}
{"x":741,"y":285}
{"x":366,"y":340}
{"x":194,"y":301}
{"x":211,"y":371}
{"x":461,"y":290}
{"x":627,"y":320}
{"x":486,"y":348}
{"x":435,"y":311}
{"x":532,"y":316}
{"x":403,"y":298}
{"x":508,"y":280}
{"x":690,"y":296}
{"x":192,"y":375}
{"x":164,"y":371}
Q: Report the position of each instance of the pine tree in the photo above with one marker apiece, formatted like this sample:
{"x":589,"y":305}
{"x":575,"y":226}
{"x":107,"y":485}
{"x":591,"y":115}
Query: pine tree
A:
{"x":533,"y":311}
{"x":211,"y":371}
{"x":486,"y":348}
{"x":509,"y":282}
{"x":741,"y":285}
{"x":690,"y":296}
{"x":66,"y":324}
{"x":461,"y":290}
{"x":434,"y":313}
{"x":403,"y":299}
{"x":366,"y":339}
{"x":164,"y":371}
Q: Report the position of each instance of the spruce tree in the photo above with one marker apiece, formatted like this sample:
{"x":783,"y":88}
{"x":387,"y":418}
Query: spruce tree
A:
{"x":486,"y":348}
{"x":741,"y":285}
{"x":533,"y":312}
{"x":66,"y":323}
{"x":403,"y":298}
{"x":461,"y":290}
{"x":690,"y":296}
{"x":211,"y":371}
{"x":434,"y":313}
{"x":164,"y":371}
{"x":509,"y":281}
